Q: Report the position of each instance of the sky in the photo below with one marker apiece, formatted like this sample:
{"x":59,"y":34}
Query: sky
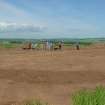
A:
{"x":52,"y":18}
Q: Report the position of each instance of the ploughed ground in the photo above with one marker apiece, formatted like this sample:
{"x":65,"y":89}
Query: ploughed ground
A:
{"x":49,"y":76}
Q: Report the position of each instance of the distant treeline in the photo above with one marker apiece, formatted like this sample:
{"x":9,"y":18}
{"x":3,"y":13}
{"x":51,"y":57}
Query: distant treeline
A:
{"x":86,"y":41}
{"x":81,"y":43}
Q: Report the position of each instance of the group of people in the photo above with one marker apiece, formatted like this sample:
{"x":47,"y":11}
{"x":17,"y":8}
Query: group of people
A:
{"x":46,"y":45}
{"x":53,"y":46}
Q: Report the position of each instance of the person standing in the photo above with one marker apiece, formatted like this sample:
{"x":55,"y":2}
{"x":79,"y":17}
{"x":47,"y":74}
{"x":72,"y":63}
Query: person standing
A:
{"x":30,"y":45}
{"x":47,"y":45}
{"x":51,"y":46}
{"x":44,"y":45}
{"x":77,"y":46}
{"x":60,"y":46}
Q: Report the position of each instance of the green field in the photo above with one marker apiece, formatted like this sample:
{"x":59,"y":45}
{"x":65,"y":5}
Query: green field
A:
{"x":90,"y":97}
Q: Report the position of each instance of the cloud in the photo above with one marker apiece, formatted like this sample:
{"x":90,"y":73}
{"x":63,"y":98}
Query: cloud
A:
{"x":9,"y":27}
{"x":9,"y":8}
{"x":66,"y":21}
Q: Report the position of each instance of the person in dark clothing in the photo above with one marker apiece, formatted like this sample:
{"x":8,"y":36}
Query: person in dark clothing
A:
{"x":60,"y":45}
{"x":77,"y":46}
{"x":30,"y":45}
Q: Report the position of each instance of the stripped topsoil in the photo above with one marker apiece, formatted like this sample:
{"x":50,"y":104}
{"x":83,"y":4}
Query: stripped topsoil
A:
{"x":49,"y":76}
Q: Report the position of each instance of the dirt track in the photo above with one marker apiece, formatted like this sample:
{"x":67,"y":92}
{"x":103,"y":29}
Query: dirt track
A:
{"x":49,"y":76}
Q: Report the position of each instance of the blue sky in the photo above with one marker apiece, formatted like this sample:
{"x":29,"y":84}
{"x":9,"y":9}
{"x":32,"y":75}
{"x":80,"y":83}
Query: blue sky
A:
{"x":52,"y":18}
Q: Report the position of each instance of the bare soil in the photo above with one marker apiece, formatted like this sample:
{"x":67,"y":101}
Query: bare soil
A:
{"x":50,"y":76}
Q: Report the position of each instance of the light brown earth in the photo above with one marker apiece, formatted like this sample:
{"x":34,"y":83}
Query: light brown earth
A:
{"x":50,"y":76}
